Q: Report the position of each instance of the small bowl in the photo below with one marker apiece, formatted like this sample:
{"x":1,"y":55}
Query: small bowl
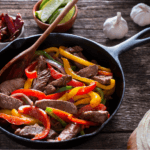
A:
{"x":60,"y":27}
{"x":3,"y":44}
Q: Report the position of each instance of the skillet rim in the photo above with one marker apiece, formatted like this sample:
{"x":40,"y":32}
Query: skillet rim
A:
{"x":81,"y":136}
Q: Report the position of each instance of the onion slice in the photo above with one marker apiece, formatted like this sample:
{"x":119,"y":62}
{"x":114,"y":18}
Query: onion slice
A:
{"x":23,"y":95}
{"x":56,"y":65}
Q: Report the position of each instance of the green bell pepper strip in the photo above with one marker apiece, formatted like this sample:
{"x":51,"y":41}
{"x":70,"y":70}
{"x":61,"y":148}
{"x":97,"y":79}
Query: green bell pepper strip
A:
{"x":64,"y":89}
{"x":49,"y":111}
{"x":46,"y":55}
{"x":99,"y":90}
{"x":82,"y":132}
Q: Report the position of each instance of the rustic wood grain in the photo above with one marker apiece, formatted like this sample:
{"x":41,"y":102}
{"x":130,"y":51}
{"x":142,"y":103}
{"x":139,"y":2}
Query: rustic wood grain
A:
{"x":135,"y":64}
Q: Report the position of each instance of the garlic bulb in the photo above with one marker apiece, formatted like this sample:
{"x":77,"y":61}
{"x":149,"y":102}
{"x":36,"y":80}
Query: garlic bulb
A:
{"x":115,"y":27}
{"x":140,"y":14}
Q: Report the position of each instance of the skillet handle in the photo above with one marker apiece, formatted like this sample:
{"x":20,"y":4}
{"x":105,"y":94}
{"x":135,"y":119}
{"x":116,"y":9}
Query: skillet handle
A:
{"x":131,"y":43}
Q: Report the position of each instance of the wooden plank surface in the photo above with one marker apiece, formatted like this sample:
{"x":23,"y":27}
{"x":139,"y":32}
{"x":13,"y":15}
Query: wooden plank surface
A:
{"x":135,"y":64}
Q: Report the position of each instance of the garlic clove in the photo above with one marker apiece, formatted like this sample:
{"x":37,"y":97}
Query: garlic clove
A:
{"x":115,"y":27}
{"x":140,"y":14}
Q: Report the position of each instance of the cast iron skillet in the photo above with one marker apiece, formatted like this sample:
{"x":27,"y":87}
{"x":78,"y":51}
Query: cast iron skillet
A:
{"x":106,"y":56}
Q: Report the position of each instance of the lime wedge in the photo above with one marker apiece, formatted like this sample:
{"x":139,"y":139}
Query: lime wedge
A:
{"x":54,"y":16}
{"x":38,"y":14}
{"x":68,"y":16}
{"x":49,"y":8}
{"x":43,"y":3}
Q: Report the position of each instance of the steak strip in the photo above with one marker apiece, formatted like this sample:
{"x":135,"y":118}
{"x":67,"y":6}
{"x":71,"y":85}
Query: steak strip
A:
{"x":95,"y":116}
{"x":8,"y":102}
{"x":58,"y":104}
{"x":7,"y":87}
{"x":88,"y":71}
{"x":32,"y":130}
{"x":70,"y":131}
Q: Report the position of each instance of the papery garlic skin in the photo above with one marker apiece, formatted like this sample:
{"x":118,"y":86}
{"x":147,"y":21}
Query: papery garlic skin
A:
{"x":140,"y":14}
{"x":115,"y":27}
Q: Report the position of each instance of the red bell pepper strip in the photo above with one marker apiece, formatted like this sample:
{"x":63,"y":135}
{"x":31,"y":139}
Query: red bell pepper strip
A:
{"x":89,"y":108}
{"x":56,"y":75}
{"x":40,"y":115}
{"x":40,"y":95}
{"x":105,"y":73}
{"x":80,"y":121}
{"x":14,"y":119}
{"x":87,"y":89}
{"x":31,"y":92}
{"x":55,"y":96}
{"x":30,"y":72}
{"x":69,"y":117}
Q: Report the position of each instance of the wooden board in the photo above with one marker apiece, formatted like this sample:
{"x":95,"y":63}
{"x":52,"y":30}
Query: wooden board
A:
{"x":135,"y":64}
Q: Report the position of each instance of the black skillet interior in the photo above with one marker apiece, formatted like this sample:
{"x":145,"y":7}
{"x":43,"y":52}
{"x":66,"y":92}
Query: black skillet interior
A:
{"x":91,"y":50}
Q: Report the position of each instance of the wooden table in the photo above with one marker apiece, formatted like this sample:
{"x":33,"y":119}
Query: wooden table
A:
{"x":135,"y":64}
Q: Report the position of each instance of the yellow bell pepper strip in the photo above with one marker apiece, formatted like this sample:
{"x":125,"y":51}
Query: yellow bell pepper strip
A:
{"x":78,"y":97}
{"x":49,"y":111}
{"x":95,"y":99}
{"x":30,"y":72}
{"x":70,"y":118}
{"x":6,"y":111}
{"x":40,"y":115}
{"x":73,"y":92}
{"x":83,"y":101}
{"x":52,"y":49}
{"x":80,"y":60}
{"x":62,"y":47}
{"x":14,"y":119}
{"x":64,"y":97}
{"x":28,"y":83}
{"x":14,"y":112}
{"x":86,"y":80}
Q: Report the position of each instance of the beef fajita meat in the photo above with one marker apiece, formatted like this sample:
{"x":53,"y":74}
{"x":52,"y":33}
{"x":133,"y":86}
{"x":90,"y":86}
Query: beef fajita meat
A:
{"x":41,"y":64}
{"x":31,"y":130}
{"x":8,"y":102}
{"x":102,"y":79}
{"x":88,"y":71}
{"x":9,"y":86}
{"x":80,"y":66}
{"x":49,"y":89}
{"x":70,"y":131}
{"x":43,"y":75}
{"x":74,"y":49}
{"x":61,"y":81}
{"x":41,"y":81}
{"x":95,"y":116}
{"x":58,"y":104}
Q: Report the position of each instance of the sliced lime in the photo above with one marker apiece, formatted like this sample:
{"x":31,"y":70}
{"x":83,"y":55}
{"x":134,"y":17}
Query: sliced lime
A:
{"x":54,"y":16}
{"x":68,"y":16}
{"x":38,"y":14}
{"x":49,"y":8}
{"x":43,"y":3}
